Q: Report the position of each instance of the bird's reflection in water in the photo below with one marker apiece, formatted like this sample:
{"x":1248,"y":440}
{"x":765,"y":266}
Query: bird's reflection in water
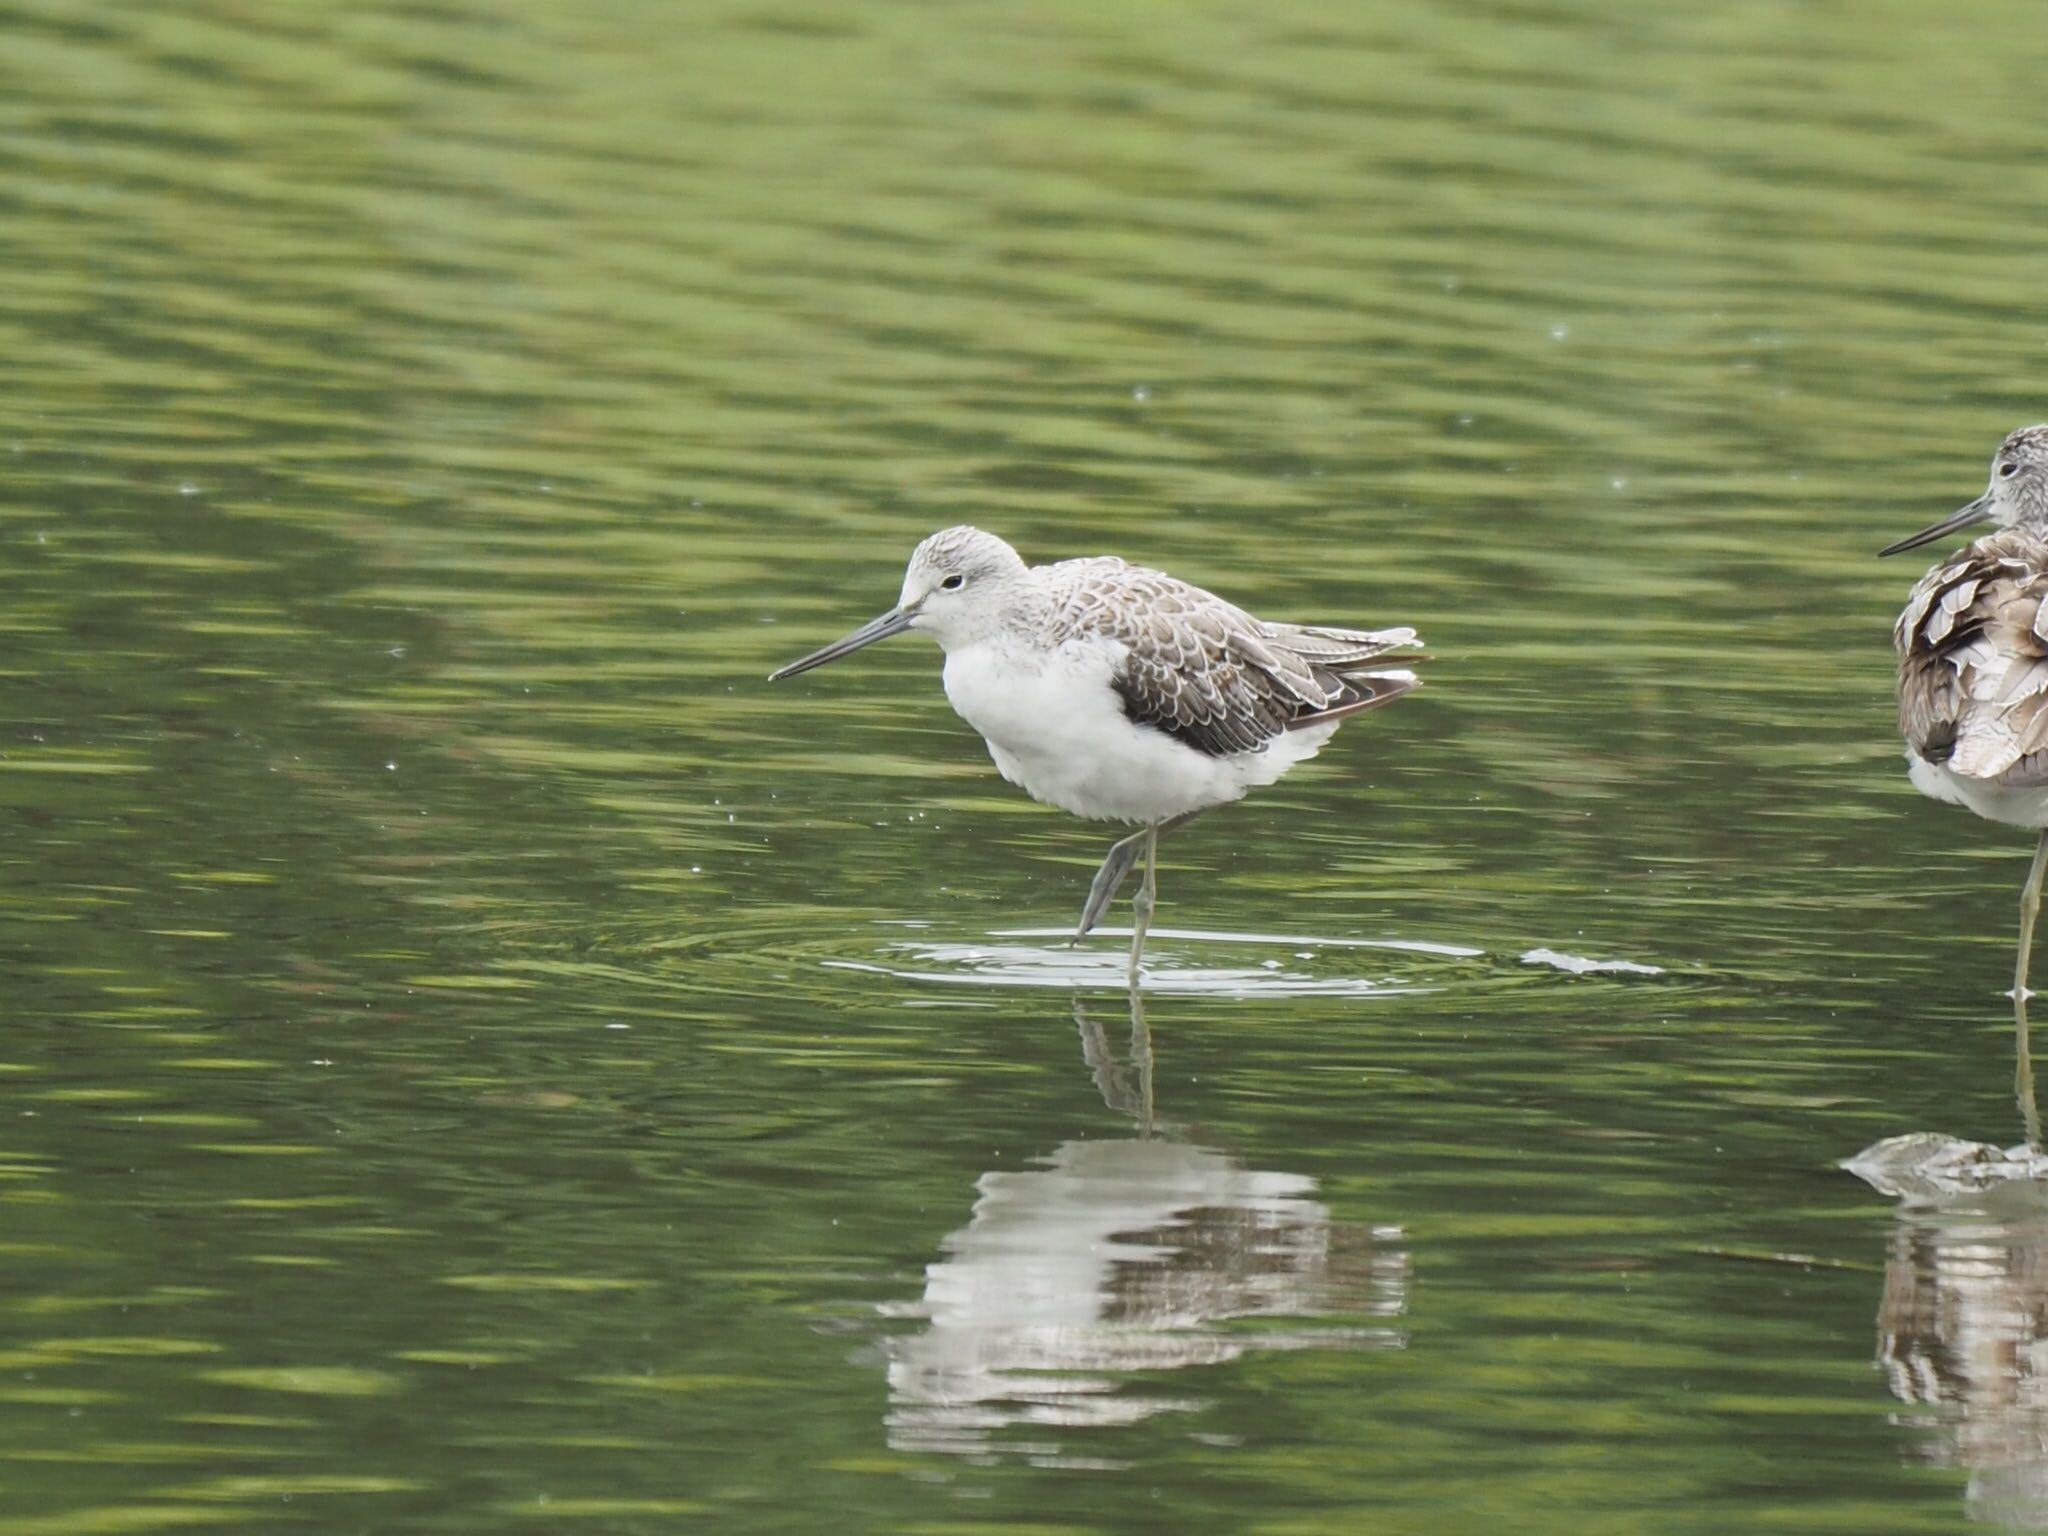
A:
{"x":1963,"y":1323}
{"x":1114,"y":1257}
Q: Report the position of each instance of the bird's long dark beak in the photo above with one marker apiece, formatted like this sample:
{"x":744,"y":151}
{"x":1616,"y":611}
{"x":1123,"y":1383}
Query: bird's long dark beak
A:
{"x":894,"y":622}
{"x":1962,"y":517}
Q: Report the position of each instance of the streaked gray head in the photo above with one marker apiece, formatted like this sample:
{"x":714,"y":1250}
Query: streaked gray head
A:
{"x":953,"y":591}
{"x":956,"y":568}
{"x":2018,"y":492}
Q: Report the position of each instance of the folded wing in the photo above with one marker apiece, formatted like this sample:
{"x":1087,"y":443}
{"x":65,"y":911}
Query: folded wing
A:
{"x":1215,"y":677}
{"x":1973,"y":664}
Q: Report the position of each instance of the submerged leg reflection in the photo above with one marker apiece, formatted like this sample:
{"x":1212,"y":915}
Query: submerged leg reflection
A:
{"x":2023,"y":1059}
{"x":1141,"y":1056}
{"x":1141,"y":908}
{"x":1127,"y":1092}
{"x":2023,"y":1071}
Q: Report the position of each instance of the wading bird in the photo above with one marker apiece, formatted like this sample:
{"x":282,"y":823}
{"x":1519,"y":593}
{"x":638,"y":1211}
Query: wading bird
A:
{"x":1973,"y":673}
{"x":1122,"y":694}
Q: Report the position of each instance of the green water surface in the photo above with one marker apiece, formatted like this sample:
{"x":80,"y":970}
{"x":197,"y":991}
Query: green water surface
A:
{"x":473,"y":1058}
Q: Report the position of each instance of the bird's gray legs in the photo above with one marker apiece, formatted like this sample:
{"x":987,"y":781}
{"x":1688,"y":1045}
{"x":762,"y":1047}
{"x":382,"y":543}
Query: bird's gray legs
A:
{"x":2023,"y":1072}
{"x":1123,"y":858}
{"x":1141,"y":1057}
{"x":1107,"y":879}
{"x":1142,"y":903}
{"x":2023,"y":1063}
{"x":2030,"y":908}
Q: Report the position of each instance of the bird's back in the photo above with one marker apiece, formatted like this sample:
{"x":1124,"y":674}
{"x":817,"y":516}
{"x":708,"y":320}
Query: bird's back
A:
{"x":1206,"y":672}
{"x":1973,"y":663}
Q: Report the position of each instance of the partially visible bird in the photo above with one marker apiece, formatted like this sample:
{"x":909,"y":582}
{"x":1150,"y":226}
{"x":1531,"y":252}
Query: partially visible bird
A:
{"x":1973,"y":668}
{"x":1120,"y":693}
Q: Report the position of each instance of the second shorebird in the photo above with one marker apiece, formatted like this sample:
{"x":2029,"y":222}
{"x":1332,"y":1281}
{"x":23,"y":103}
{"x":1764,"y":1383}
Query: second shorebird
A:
{"x":1973,"y":662}
{"x":1122,"y":694}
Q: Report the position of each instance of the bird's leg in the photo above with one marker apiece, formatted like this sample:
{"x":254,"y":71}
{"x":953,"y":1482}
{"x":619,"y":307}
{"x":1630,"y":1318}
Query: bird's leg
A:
{"x":1107,"y":880}
{"x":2023,"y":1060}
{"x":1141,"y":1054}
{"x":1123,"y":857}
{"x":1141,"y":905}
{"x":2023,"y":1072}
{"x":2030,"y":908}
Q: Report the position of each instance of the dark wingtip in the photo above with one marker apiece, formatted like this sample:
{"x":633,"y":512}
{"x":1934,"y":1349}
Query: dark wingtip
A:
{"x":1387,"y":688}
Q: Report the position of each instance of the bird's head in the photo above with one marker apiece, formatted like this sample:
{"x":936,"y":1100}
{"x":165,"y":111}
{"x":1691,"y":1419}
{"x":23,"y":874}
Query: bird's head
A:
{"x":950,"y":583}
{"x":949,"y":591}
{"x":2018,"y":492}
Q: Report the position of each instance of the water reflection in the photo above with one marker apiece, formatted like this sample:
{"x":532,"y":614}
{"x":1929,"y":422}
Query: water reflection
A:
{"x":1124,"y":1086}
{"x":1963,"y":1322}
{"x":1120,"y":1256}
{"x":2023,"y":1068}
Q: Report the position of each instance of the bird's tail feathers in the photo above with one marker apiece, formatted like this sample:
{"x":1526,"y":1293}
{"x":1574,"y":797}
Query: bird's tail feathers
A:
{"x":1362,"y":691}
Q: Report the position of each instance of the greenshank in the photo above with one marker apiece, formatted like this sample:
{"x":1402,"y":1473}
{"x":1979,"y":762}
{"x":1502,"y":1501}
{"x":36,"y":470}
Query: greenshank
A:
{"x":1119,"y":693}
{"x":1973,"y":674}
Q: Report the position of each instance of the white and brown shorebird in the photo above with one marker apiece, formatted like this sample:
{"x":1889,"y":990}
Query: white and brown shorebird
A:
{"x":1122,"y":694}
{"x":1973,"y":663}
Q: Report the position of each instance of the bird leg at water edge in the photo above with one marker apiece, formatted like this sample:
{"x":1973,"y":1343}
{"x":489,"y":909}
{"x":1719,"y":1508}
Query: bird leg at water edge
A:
{"x":1110,"y":878}
{"x":1107,"y":879}
{"x":1141,"y":1053}
{"x":2023,"y":1060}
{"x":2030,"y":908}
{"x":2023,"y":1073}
{"x":1141,"y":906}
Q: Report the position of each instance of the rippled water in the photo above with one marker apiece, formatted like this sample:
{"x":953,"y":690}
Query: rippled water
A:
{"x":475,"y":1058}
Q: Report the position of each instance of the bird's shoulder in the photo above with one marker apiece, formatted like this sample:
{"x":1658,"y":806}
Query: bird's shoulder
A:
{"x":1996,"y":583}
{"x":1110,"y":598}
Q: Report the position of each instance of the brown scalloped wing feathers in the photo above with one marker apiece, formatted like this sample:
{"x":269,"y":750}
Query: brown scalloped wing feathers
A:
{"x":1210,"y":674}
{"x":1973,"y":662}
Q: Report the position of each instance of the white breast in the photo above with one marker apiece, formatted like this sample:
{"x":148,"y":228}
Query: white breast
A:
{"x":1057,"y":729}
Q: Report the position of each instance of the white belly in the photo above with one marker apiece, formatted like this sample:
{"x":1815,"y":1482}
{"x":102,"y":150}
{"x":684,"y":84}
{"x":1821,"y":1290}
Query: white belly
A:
{"x":1994,"y":802}
{"x":1056,"y":728}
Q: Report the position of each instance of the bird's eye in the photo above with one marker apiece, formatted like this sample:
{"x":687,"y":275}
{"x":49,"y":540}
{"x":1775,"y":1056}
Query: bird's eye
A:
{"x":954,"y":582}
{"x":2008,"y":469}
